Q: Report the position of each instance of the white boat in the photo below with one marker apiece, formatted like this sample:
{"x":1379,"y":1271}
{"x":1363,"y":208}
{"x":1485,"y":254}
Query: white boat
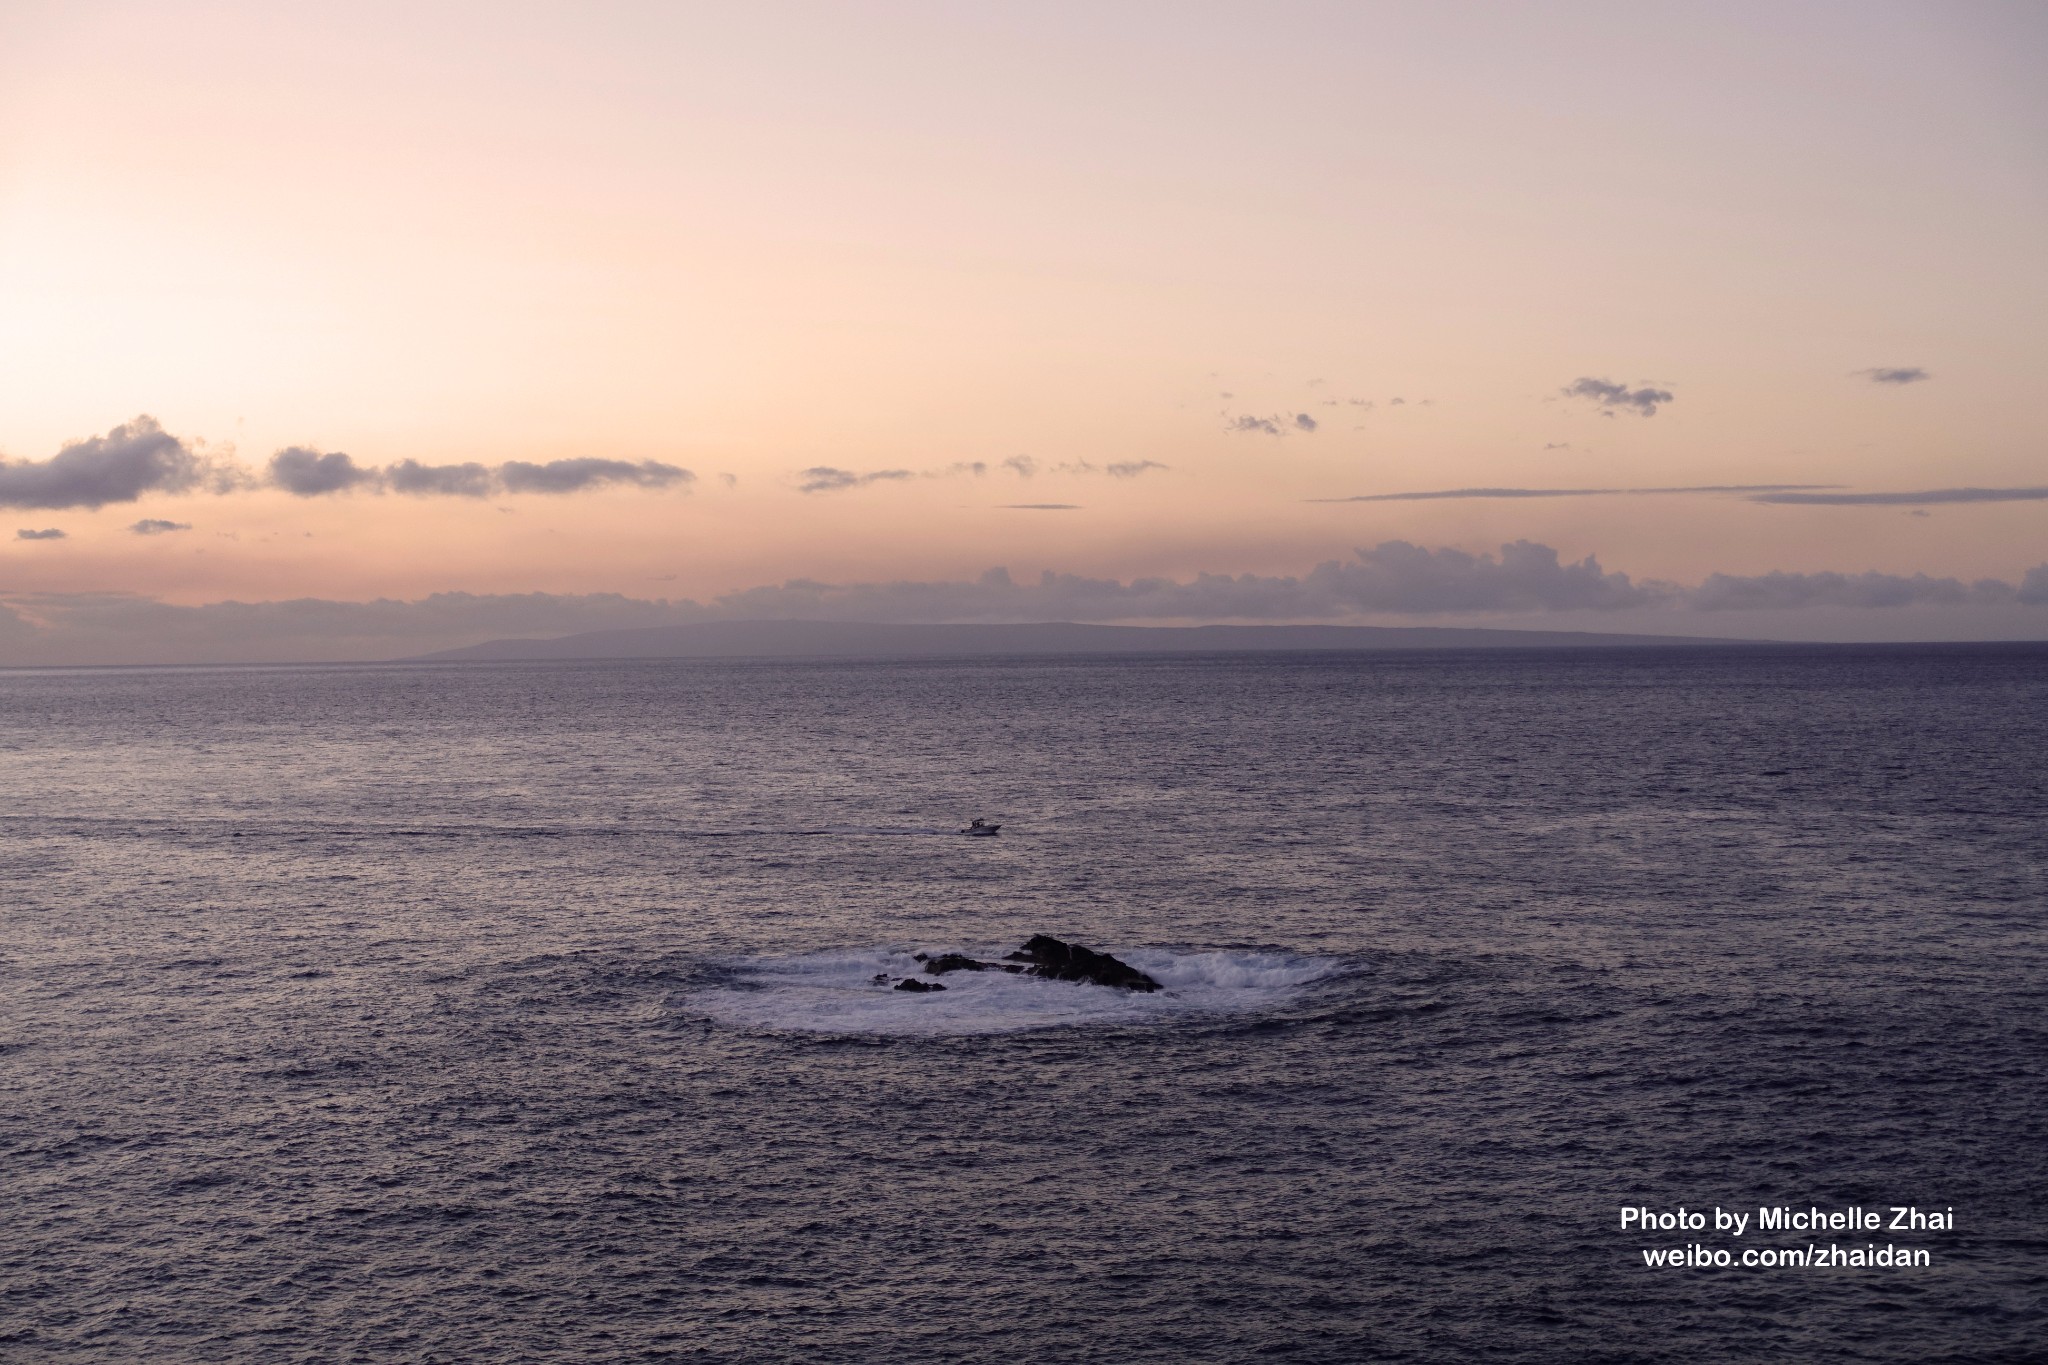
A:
{"x":981,"y":827}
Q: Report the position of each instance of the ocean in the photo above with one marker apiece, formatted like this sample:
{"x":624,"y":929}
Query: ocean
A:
{"x":527,"y":1012}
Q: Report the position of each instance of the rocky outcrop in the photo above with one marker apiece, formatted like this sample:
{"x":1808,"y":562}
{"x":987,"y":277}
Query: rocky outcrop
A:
{"x":1048,"y":957}
{"x":911,"y":983}
{"x":1071,"y":962}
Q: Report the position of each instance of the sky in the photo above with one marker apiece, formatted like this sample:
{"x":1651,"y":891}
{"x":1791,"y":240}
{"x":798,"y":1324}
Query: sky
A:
{"x":356,"y":331}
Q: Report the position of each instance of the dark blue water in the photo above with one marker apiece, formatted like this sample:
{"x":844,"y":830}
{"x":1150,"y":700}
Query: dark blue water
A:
{"x":521,"y":1013}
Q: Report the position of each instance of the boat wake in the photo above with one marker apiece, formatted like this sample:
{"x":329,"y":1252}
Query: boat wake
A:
{"x":850,"y":991}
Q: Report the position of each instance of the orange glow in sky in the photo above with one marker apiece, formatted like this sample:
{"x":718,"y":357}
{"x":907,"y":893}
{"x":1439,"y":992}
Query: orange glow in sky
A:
{"x":1196,"y":272}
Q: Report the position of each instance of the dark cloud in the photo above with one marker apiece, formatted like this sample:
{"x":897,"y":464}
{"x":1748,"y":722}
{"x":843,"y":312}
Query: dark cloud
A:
{"x":134,"y":458}
{"x":1304,"y":422}
{"x":47,"y":533}
{"x":1930,"y":495}
{"x":1021,"y":465}
{"x":1905,"y":374}
{"x":574,"y":476}
{"x":1728,"y":592}
{"x":152,"y":526}
{"x":826,"y":479}
{"x":140,"y":457}
{"x":1131,"y":469}
{"x":307,"y":473}
{"x":1262,"y":426}
{"x":1769,"y":488}
{"x":470,"y":480}
{"x":1039,"y":506}
{"x":1610,"y":396}
{"x":975,"y":467}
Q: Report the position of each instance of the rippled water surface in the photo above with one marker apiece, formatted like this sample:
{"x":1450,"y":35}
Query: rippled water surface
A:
{"x":526,"y":1012}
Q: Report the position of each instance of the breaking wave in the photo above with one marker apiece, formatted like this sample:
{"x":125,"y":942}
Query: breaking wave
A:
{"x":836,"y":992}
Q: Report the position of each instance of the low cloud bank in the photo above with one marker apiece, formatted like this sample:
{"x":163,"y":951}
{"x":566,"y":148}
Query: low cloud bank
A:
{"x":61,"y":628}
{"x":1780,"y":591}
{"x":1394,"y":578}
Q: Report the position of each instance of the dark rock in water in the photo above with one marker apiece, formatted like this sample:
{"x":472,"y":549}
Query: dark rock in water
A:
{"x":1071,"y":962}
{"x":953,"y":962}
{"x":911,"y":983}
{"x":881,"y":978}
{"x":1043,"y":956}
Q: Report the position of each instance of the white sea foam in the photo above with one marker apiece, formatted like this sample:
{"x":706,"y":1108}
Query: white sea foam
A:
{"x":836,"y":992}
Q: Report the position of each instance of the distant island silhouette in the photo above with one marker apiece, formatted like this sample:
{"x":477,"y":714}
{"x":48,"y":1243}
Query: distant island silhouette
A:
{"x":881,"y":640}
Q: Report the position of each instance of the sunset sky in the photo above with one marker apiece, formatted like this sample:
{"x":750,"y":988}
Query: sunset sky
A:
{"x":569,"y":316}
